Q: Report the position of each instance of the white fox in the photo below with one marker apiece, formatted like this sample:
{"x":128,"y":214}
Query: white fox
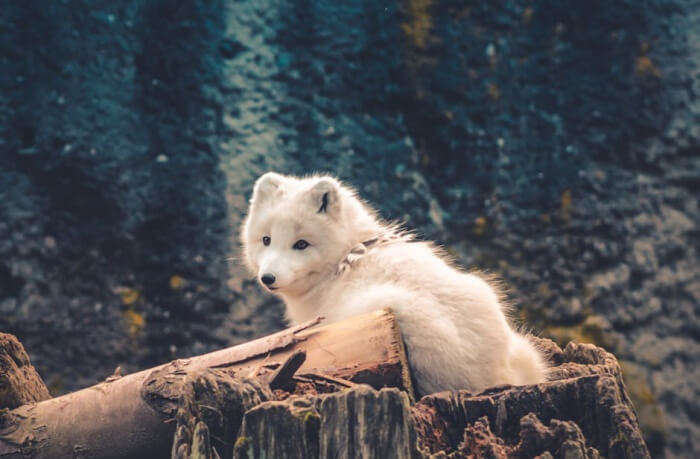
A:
{"x":314,"y":243}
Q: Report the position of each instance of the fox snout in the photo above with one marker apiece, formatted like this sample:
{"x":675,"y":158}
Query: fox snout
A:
{"x":271,"y":271}
{"x":267,"y":279}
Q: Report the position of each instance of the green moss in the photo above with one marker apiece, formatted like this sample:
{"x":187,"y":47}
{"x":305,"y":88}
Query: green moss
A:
{"x":243,"y":447}
{"x":310,"y":417}
{"x":242,"y":442}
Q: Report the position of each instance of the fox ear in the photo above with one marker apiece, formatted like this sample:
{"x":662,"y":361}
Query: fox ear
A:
{"x":325,"y":197}
{"x":265,"y":187}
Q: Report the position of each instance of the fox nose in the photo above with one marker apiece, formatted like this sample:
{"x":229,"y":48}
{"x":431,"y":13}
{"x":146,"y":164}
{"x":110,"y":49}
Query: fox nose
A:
{"x":268,"y":279}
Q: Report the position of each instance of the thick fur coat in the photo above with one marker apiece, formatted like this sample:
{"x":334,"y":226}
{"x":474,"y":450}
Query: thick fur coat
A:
{"x":314,"y":243}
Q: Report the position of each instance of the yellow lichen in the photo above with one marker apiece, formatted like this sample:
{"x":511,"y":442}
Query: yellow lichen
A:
{"x":644,"y":66}
{"x":135,"y":322}
{"x":480,"y":225}
{"x":242,"y":442}
{"x":566,"y":200}
{"x":493,"y":91}
{"x":128,"y":295}
{"x":420,"y":23}
{"x":177,"y":282}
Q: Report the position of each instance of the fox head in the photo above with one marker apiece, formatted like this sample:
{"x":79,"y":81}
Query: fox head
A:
{"x":299,"y":229}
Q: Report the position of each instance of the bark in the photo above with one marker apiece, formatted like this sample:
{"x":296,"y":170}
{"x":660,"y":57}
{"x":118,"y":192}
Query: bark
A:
{"x":132,"y":416}
{"x":19,"y":381}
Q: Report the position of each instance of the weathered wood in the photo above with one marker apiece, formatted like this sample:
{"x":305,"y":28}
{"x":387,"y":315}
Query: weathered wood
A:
{"x":359,"y":422}
{"x":19,"y":381}
{"x":282,"y":377}
{"x":210,"y":407}
{"x":131,"y":416}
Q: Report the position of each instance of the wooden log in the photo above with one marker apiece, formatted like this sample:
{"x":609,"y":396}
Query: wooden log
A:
{"x":132,"y":416}
{"x":19,"y":382}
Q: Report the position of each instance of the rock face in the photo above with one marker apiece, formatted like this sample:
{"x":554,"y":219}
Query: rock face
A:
{"x":113,"y":214}
{"x":554,"y":143}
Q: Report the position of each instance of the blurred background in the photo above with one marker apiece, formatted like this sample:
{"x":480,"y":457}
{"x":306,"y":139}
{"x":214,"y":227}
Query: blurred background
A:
{"x":555,"y":143}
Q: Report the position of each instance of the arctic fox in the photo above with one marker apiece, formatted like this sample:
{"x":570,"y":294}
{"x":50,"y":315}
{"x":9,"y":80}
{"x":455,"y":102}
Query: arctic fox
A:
{"x":325,"y":252}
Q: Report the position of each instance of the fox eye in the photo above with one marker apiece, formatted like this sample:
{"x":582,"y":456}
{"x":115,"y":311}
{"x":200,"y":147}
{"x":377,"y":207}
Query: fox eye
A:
{"x":300,"y":245}
{"x":266,"y":240}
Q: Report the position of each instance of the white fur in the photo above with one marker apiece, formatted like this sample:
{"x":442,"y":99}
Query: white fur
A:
{"x":456,"y":333}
